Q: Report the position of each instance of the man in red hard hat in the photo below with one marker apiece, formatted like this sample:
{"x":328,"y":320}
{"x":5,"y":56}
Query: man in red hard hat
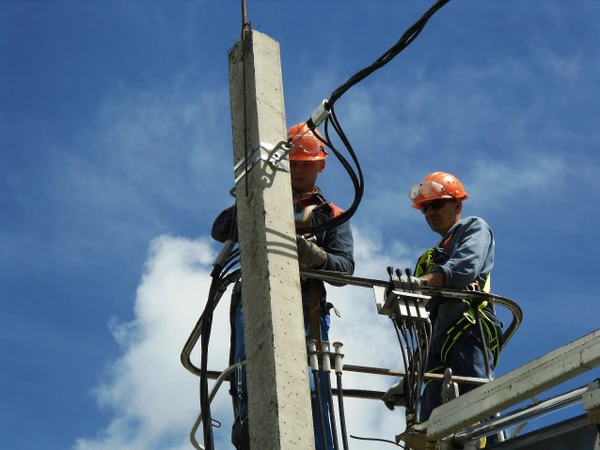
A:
{"x":462,"y":259}
{"x":331,"y":249}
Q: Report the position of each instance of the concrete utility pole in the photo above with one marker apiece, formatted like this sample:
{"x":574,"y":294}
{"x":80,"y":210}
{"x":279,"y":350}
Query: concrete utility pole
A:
{"x":278,"y":392}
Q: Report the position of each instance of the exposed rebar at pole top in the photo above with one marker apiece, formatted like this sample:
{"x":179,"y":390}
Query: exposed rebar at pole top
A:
{"x":245,"y":23}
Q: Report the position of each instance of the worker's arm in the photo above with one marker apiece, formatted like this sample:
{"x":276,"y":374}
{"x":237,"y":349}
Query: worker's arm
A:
{"x":471,"y":253}
{"x":435,"y":279}
{"x":339,"y":245}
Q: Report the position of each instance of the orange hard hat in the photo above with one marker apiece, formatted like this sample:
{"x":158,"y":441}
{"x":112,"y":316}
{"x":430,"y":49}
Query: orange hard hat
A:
{"x":437,"y":185}
{"x":307,"y":147}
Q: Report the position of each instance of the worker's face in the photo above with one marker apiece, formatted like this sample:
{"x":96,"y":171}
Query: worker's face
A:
{"x":441,"y":214}
{"x":304,"y":174}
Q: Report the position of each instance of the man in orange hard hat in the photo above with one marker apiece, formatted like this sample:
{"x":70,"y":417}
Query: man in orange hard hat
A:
{"x":331,"y":249}
{"x":462,"y":259}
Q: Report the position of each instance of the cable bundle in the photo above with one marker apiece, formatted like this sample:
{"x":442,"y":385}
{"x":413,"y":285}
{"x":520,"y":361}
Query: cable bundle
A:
{"x":326,"y":112}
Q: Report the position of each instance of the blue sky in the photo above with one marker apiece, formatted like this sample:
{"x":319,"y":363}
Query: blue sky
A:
{"x":115,"y":146}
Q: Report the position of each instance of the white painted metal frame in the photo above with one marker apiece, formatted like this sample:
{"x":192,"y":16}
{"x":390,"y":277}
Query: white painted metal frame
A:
{"x":514,"y":387}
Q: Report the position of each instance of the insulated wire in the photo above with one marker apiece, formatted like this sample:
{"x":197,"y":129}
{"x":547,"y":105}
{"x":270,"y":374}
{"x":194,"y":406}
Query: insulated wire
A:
{"x":336,"y":445}
{"x":356,"y":175}
{"x":404,"y":360}
{"x":387,"y":441}
{"x":231,"y":265}
{"x":408,"y":386}
{"x":405,"y":40}
{"x":427,"y":330}
{"x":321,"y":415}
{"x":342,"y":411}
{"x":206,"y":327}
{"x":407,"y":332}
{"x":417,"y":369}
{"x":414,"y":346}
{"x":206,"y":318}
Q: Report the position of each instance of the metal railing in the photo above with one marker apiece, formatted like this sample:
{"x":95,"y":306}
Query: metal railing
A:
{"x":345,"y":279}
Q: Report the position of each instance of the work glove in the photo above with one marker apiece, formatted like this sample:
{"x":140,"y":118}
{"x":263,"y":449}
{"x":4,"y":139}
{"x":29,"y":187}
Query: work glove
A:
{"x":310,"y":254}
{"x":394,"y":396}
{"x":412,"y":283}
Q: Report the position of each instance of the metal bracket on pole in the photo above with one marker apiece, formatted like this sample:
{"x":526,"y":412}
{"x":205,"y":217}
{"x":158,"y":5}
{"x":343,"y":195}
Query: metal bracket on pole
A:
{"x":276,"y":154}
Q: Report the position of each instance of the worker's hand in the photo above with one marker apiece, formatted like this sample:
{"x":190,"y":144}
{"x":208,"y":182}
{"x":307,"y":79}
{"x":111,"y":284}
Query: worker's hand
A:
{"x":412,"y":283}
{"x":394,"y":396}
{"x":310,"y":253}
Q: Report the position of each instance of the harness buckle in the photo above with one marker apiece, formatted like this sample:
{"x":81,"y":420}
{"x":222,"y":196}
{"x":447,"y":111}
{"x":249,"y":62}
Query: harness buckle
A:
{"x":469,"y":314}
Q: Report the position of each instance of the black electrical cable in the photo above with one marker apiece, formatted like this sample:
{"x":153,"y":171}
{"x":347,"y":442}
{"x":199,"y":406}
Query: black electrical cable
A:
{"x":427,"y":330}
{"x":206,"y":318}
{"x":421,"y":354}
{"x":408,"y":369}
{"x":336,"y":445}
{"x":234,"y":254}
{"x":206,"y":327}
{"x":406,"y":362}
{"x":357,"y":178}
{"x":419,"y":364}
{"x":423,"y":343}
{"x":321,"y":415}
{"x":231,"y":265}
{"x":214,"y":294}
{"x":404,"y":41}
{"x":386,"y":441}
{"x":342,"y":411}
{"x":196,"y":332}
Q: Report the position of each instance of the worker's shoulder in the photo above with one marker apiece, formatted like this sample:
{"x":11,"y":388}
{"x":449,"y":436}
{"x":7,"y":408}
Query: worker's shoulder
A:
{"x":222,"y":224}
{"x":472,"y":222}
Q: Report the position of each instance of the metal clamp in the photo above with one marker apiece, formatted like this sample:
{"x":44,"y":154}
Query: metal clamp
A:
{"x":276,"y":154}
{"x":409,"y":305}
{"x":449,"y":387}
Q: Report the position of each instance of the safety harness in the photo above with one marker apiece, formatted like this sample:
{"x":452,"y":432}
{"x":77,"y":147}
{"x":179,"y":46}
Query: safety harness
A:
{"x":425,"y":265}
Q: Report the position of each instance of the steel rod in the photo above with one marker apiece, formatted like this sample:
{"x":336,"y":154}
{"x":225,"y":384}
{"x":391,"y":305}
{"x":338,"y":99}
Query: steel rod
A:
{"x":524,"y":414}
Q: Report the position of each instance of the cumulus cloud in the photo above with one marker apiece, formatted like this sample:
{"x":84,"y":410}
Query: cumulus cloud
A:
{"x":496,"y":182}
{"x":154,"y":401}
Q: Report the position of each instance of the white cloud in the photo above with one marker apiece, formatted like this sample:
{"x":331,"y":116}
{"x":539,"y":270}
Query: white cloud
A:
{"x":154,"y":400}
{"x":496,"y":183}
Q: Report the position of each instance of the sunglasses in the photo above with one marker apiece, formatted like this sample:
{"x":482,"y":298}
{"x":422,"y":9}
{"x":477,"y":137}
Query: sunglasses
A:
{"x":436,"y":204}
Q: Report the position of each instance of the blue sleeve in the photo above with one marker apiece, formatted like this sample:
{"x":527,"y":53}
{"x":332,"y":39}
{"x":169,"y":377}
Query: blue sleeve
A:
{"x":339,"y":245}
{"x":471,"y":253}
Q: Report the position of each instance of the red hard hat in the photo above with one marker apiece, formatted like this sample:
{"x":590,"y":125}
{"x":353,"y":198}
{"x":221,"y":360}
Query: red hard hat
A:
{"x":306,"y":145}
{"x":437,"y":185}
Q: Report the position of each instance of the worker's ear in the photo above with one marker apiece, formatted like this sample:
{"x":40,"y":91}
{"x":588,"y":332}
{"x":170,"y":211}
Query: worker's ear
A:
{"x":458,"y":207}
{"x":323,"y":163}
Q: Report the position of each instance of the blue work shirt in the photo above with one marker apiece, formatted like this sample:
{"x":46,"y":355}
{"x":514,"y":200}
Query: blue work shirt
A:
{"x":464,"y":255}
